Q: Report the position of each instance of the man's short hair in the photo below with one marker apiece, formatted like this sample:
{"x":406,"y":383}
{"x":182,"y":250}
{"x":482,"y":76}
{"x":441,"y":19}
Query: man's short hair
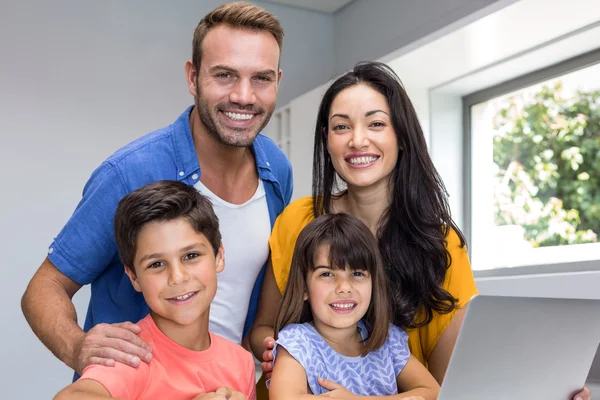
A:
{"x":162,"y":201}
{"x":239,"y":14}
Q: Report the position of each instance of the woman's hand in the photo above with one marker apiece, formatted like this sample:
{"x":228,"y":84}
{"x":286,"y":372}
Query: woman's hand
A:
{"x":267,"y":364}
{"x":585,"y":394}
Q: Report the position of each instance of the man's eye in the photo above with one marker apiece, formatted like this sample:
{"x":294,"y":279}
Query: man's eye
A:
{"x":264,"y":78}
{"x":223,"y":75}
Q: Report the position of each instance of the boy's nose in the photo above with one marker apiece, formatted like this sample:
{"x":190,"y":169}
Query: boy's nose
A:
{"x":178,"y":275}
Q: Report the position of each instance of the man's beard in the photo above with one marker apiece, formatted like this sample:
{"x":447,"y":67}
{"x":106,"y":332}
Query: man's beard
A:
{"x":237,"y":137}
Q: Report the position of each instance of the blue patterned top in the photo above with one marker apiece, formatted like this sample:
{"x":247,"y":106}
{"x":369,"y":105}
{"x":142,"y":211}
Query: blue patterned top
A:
{"x":372,"y":375}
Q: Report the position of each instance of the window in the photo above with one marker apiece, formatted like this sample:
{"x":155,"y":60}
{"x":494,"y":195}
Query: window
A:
{"x":534,"y":154}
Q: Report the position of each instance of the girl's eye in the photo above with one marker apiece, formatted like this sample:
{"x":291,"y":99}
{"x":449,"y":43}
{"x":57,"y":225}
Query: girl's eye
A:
{"x":359,"y":273}
{"x":191,"y":256}
{"x":325,"y":274}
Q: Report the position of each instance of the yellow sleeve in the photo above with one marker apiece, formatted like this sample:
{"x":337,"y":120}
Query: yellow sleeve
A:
{"x":459,"y":282}
{"x":283,"y":238}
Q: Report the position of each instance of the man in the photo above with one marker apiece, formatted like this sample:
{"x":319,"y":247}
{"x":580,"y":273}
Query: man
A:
{"x":214,"y":145}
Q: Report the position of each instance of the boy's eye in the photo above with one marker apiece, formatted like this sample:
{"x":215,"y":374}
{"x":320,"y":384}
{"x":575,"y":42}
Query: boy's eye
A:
{"x":191,"y":256}
{"x":156,"y":264}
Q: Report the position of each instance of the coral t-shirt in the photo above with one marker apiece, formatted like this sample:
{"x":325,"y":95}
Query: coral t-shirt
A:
{"x":178,"y":373}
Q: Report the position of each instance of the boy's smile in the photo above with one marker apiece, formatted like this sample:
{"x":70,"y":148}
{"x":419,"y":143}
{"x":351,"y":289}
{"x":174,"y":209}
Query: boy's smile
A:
{"x":176,"y":271}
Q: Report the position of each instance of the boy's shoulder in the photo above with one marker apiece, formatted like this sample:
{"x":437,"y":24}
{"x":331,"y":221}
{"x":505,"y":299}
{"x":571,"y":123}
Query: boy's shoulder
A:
{"x":227,"y":348}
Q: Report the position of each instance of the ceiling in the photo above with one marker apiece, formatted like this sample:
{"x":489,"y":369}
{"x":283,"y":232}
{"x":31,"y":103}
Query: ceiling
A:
{"x":328,"y":6}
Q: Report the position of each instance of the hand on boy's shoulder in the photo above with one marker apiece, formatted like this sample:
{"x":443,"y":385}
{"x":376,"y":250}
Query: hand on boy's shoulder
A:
{"x":221,"y":393}
{"x":106,"y":343}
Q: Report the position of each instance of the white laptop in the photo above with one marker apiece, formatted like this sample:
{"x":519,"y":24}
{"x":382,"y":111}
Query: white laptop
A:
{"x":523,"y":348}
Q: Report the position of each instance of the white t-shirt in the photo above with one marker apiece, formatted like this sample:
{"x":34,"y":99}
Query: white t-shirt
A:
{"x":245,"y":230}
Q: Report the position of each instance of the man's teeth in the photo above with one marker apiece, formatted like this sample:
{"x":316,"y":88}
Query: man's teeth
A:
{"x":238,"y":117}
{"x":185,"y":296}
{"x":345,"y":306}
{"x":363,"y":160}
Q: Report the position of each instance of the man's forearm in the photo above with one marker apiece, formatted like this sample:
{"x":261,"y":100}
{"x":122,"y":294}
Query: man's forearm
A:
{"x":48,"y":309}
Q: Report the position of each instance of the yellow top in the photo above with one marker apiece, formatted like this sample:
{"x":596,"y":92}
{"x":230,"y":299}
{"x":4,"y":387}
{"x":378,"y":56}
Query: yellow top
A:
{"x":459,"y":281}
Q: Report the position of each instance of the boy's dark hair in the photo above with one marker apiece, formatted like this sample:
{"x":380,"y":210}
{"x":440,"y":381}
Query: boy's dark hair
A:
{"x":159,"y":202}
{"x":351,"y":244}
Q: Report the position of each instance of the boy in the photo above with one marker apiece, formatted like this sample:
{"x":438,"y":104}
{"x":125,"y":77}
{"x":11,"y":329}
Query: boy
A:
{"x":168,"y":239}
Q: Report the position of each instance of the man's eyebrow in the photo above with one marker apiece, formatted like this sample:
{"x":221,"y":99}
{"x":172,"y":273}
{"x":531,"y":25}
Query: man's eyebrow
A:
{"x":266,"y":72}
{"x":221,"y":68}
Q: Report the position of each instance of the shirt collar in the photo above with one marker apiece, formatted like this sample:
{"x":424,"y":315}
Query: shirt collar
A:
{"x":187,"y":160}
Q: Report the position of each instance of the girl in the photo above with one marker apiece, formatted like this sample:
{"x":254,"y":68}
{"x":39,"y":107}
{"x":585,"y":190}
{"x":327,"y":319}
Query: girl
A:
{"x":333,"y":327}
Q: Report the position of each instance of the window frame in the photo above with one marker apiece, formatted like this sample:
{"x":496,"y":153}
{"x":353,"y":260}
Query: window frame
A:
{"x":573,"y":64}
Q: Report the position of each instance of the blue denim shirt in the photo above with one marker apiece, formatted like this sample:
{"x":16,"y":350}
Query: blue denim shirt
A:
{"x":85,"y":250}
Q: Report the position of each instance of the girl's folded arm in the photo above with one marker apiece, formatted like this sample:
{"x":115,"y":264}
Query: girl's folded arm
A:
{"x":288,"y":381}
{"x":416,"y":380}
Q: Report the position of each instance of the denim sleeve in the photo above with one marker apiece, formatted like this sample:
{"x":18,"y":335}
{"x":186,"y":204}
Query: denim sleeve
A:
{"x":86,"y":245}
{"x":290,"y":184}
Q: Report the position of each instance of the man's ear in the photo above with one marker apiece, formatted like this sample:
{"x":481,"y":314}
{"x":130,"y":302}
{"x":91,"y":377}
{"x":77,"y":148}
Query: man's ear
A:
{"x":220,"y":258}
{"x":190,"y":77}
{"x":133,"y":278}
{"x":279,"y":76}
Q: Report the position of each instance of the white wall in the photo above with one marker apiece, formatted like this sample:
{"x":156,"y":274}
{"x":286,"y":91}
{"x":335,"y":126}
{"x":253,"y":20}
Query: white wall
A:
{"x":77,"y":81}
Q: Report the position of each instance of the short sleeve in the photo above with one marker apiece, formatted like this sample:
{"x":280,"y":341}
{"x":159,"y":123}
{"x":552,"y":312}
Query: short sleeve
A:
{"x":85,"y":247}
{"x":460,"y":283}
{"x":283,"y":238}
{"x":398,"y":347}
{"x":121,"y":381}
{"x":294,"y":340}
{"x":250,"y":391}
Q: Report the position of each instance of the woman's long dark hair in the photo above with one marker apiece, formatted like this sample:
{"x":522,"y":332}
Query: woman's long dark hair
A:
{"x":412,"y":233}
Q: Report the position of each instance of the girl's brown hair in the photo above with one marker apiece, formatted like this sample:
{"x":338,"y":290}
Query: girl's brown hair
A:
{"x":351,"y":245}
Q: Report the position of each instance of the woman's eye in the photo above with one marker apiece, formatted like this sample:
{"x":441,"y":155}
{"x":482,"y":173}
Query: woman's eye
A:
{"x":191,"y":256}
{"x":339,"y":127}
{"x":378,"y":124}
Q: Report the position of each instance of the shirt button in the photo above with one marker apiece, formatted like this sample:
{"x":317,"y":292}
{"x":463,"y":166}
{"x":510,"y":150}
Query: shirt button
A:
{"x":180,"y":173}
{"x":195,"y":176}
{"x":50,"y":250}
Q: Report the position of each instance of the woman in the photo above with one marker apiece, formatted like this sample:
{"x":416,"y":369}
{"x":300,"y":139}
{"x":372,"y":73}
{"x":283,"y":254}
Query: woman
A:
{"x":368,"y":139}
